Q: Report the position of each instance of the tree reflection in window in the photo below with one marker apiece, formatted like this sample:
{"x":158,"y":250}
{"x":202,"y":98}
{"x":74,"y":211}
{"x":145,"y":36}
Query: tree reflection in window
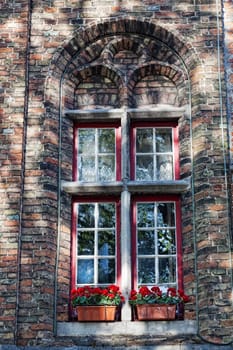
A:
{"x":156,"y":243}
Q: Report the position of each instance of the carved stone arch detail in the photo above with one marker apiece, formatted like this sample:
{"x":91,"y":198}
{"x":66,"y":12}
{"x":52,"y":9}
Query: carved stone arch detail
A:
{"x":133,"y":44}
{"x":107,"y":88}
{"x":157,"y":83}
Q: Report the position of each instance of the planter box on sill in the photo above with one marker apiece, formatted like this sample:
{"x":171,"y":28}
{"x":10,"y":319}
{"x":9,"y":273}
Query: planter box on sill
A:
{"x":147,"y":312}
{"x":96,"y":313}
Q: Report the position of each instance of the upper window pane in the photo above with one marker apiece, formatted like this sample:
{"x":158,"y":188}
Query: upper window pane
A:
{"x":154,"y":158}
{"x":96,"y":156}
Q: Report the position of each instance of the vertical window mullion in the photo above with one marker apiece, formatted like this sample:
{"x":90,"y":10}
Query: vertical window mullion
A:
{"x":155,"y":154}
{"x":96,"y":244}
{"x":156,"y":258}
{"x":96,"y":154}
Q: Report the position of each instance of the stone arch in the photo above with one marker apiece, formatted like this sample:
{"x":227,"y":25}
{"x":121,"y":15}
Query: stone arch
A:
{"x":106,"y":87}
{"x":167,"y":87}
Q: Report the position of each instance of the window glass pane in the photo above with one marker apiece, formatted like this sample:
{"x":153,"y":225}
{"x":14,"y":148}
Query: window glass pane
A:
{"x":145,"y":215}
{"x":146,"y":271}
{"x":144,"y":140}
{"x":144,"y":168}
{"x":164,"y":167}
{"x":85,"y":271}
{"x":106,"y":215}
{"x":166,"y":215}
{"x":163,"y":140}
{"x":85,"y":242}
{"x":106,"y":243}
{"x":86,"y":215}
{"x":106,"y":168}
{"x":146,"y":242}
{"x":166,"y":242}
{"x":106,"y":140}
{"x":86,"y":169}
{"x":86,"y":141}
{"x":167,"y":270}
{"x":106,"y":269}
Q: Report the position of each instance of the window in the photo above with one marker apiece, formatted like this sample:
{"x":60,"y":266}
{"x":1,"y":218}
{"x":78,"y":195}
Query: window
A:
{"x":126,"y":208}
{"x":96,"y":245}
{"x":154,"y":152}
{"x":156,"y":241}
{"x":98,"y":152}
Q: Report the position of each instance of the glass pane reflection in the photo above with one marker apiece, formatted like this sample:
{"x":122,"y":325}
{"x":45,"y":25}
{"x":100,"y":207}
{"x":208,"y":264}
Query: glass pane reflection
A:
{"x":106,"y":268}
{"x":146,"y":271}
{"x":167,"y":270}
{"x":85,"y":242}
{"x":85,"y":271}
{"x":146,"y":242}
{"x":86,"y":218}
{"x":106,"y":243}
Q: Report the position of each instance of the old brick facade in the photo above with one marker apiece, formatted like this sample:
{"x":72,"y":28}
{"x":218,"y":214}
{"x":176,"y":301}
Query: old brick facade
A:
{"x":162,"y":56}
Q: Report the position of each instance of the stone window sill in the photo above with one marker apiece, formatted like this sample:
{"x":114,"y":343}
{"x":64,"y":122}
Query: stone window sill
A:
{"x":127,"y":328}
{"x":74,"y":187}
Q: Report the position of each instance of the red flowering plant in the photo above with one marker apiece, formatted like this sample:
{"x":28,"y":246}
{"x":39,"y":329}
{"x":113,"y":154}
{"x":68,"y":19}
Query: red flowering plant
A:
{"x":155,"y":295}
{"x":88,"y":295}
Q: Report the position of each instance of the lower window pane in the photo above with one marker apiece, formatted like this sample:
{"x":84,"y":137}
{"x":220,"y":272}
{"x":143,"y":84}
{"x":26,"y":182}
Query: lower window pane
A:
{"x":86,"y":166}
{"x":144,"y":168}
{"x":167,"y":270}
{"x":106,"y":168}
{"x":166,"y":241}
{"x":146,"y":242}
{"x":85,"y":272}
{"x":106,"y":271}
{"x":146,"y":271}
{"x":85,"y":243}
{"x":106,"y":243}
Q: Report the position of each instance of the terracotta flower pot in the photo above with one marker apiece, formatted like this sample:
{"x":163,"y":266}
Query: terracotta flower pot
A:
{"x":156,"y":312}
{"x":96,"y":313}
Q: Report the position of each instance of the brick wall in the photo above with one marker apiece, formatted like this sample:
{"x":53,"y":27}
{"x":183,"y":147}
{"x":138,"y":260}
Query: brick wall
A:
{"x":35,"y":213}
{"x":13,"y":46}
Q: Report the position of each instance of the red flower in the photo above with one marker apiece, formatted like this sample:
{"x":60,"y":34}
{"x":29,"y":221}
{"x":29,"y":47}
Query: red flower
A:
{"x":133,"y":294}
{"x":171,"y":292}
{"x":157,"y":291}
{"x":111,"y":296}
{"x":113,"y":288}
{"x":144,"y":291}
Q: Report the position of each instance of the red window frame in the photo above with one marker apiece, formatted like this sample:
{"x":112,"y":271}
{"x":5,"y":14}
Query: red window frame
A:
{"x":93,"y":199}
{"x":157,"y":198}
{"x":115,"y":125}
{"x":154,"y":124}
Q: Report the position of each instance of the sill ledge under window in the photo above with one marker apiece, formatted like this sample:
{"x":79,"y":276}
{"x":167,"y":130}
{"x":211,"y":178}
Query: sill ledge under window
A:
{"x":127,"y":328}
{"x":169,"y":187}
